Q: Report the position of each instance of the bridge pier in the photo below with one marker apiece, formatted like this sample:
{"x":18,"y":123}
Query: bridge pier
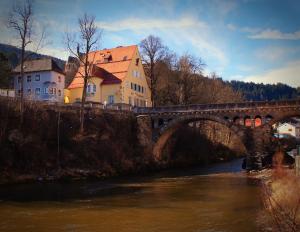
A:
{"x":258,"y":142}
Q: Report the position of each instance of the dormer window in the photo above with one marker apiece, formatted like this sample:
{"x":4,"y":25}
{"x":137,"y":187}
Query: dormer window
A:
{"x":137,"y":61}
{"x":107,"y":58}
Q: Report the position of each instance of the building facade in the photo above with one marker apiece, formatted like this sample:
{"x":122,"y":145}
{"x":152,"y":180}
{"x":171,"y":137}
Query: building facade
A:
{"x":288,"y":129}
{"x":43,"y":80}
{"x":117,"y":76}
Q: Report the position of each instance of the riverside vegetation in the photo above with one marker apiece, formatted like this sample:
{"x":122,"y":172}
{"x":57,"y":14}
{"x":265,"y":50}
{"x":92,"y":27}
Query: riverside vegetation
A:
{"x":43,"y":148}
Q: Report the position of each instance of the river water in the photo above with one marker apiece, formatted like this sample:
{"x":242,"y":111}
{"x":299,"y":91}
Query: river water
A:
{"x":192,"y":200}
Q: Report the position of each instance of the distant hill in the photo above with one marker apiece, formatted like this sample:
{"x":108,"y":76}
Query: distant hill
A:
{"x":13,"y":54}
{"x":262,"y":92}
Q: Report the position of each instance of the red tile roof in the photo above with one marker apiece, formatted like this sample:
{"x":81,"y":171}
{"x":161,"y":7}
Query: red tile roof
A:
{"x":109,"y":64}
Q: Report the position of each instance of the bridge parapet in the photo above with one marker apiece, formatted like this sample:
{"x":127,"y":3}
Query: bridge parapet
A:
{"x":223,"y":106}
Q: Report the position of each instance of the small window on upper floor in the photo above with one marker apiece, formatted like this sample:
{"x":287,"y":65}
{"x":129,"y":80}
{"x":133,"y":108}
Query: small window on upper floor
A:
{"x":59,"y":92}
{"x":59,"y":78}
{"x":28,"y":78}
{"x":37,"y":77}
{"x":137,"y":60}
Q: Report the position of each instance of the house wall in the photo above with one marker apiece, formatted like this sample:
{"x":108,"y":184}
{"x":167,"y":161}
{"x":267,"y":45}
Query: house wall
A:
{"x":7,"y":92}
{"x":102,"y":92}
{"x":46,"y":77}
{"x":127,"y":92}
{"x":287,"y":129}
{"x":111,"y":90}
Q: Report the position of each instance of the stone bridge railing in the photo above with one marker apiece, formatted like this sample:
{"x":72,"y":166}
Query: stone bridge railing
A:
{"x":223,"y":106}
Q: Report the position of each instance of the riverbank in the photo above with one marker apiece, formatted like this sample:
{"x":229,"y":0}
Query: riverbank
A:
{"x":48,"y":147}
{"x":280,"y":198}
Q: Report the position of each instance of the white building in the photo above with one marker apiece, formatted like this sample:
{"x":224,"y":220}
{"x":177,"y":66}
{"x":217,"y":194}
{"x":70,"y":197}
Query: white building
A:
{"x":288,"y":129}
{"x":43,"y":80}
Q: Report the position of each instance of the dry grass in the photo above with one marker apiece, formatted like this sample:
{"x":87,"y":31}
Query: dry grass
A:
{"x":281,"y":199}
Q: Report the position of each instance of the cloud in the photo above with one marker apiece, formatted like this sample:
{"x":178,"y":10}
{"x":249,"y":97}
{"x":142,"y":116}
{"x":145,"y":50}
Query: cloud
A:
{"x":288,"y":74}
{"x":184,"y":33}
{"x":275,"y":35}
{"x":146,"y":24}
{"x":274,"y":53}
{"x":231,"y":27}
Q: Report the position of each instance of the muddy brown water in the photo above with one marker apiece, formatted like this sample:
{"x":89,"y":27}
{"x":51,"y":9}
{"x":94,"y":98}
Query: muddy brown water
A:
{"x":190,"y":200}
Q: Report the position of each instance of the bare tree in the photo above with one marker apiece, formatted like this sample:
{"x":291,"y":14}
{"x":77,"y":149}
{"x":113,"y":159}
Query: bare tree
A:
{"x":188,"y":70}
{"x":21,"y":21}
{"x":152,"y":51}
{"x":80,"y":45}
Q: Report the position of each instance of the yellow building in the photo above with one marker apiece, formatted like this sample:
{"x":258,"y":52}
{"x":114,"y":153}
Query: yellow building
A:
{"x":117,"y":76}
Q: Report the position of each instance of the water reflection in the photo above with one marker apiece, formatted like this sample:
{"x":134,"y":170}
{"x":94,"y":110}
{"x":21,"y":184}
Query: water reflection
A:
{"x":169,"y":201}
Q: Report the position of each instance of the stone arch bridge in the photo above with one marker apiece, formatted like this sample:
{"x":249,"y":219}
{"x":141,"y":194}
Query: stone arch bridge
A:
{"x":251,"y":121}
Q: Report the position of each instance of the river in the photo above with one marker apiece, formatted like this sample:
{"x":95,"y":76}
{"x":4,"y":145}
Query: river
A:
{"x":191,"y":200}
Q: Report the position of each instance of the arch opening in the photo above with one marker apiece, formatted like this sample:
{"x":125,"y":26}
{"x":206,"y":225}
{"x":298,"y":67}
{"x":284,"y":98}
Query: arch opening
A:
{"x":183,"y":136}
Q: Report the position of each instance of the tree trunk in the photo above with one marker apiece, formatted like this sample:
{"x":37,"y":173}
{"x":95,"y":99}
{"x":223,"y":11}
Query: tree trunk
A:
{"x":22,"y":83}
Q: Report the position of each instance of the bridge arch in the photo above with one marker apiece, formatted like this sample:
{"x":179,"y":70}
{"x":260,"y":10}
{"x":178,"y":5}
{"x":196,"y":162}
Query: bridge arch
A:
{"x":167,"y":131}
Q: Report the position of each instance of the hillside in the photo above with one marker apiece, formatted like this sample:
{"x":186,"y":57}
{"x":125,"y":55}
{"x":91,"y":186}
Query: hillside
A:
{"x":13,"y":54}
{"x":262,"y":92}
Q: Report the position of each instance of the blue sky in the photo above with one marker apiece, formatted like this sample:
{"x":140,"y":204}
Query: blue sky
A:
{"x":248,"y":40}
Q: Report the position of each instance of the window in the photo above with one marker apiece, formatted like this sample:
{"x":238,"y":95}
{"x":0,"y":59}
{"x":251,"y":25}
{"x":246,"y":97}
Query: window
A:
{"x":135,"y":73}
{"x":19,"y":79}
{"x":50,"y":90}
{"x":28,"y":78}
{"x":28,"y":91}
{"x":91,"y":88}
{"x":59,"y":92}
{"x":131,"y":85}
{"x":46,"y":90}
{"x":111,"y":99}
{"x":54,"y":91}
{"x":37,"y":91}
{"x":137,"y":61}
{"x":37,"y":77}
{"x":142,"y":89}
{"x":139,"y":88}
{"x":59,"y":78}
{"x":135,"y":87}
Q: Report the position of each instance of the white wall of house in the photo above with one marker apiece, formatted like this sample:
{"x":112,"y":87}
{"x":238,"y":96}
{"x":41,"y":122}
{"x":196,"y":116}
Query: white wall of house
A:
{"x":41,"y":86}
{"x":289,"y":129}
{"x":7,"y":92}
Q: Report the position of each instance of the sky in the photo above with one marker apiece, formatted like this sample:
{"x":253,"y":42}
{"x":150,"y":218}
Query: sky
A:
{"x":246,"y":40}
